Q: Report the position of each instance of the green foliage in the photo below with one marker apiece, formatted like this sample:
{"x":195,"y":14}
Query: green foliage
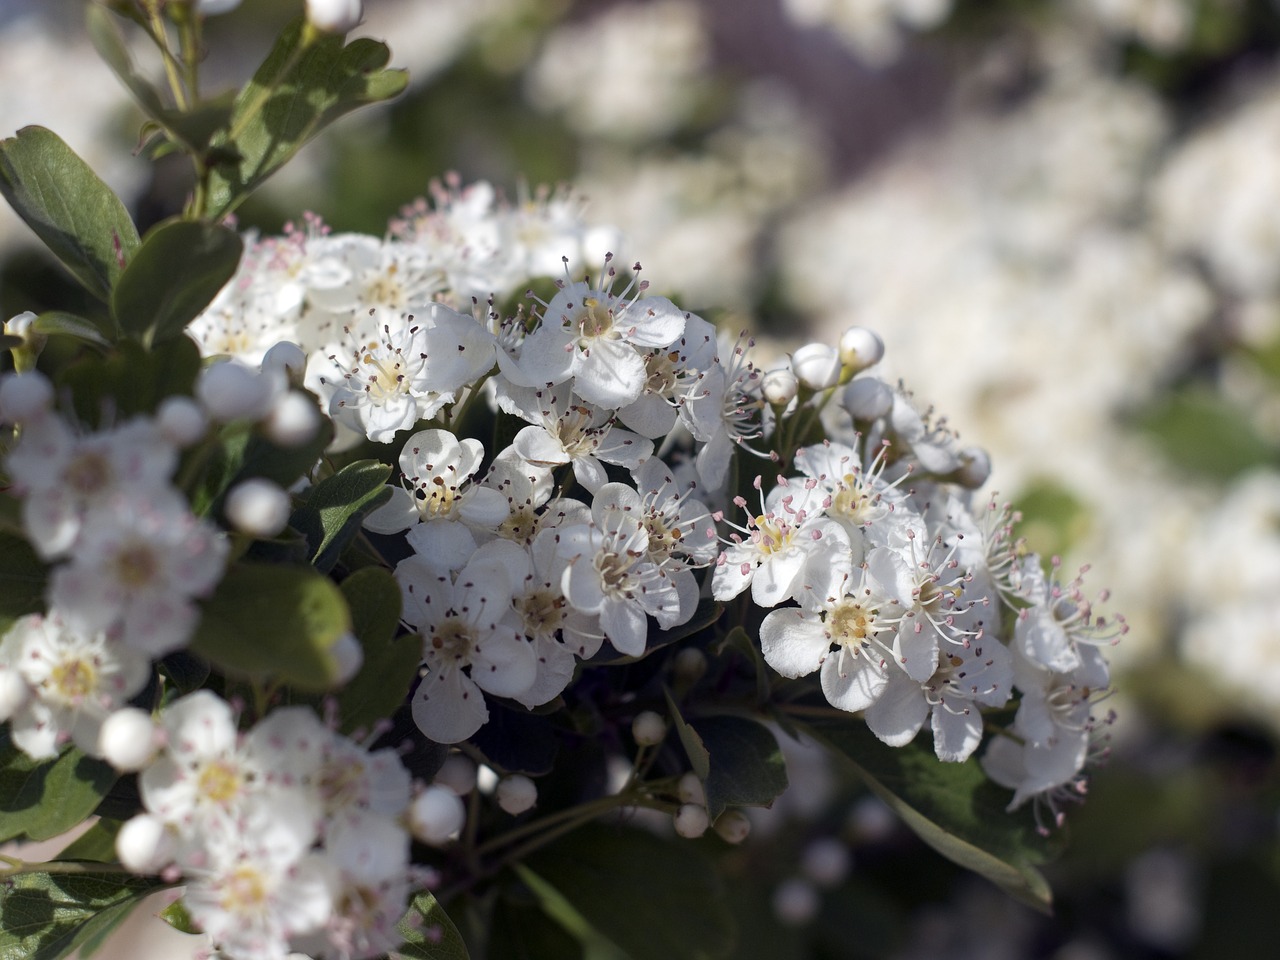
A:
{"x":652,"y":899}
{"x":428,"y":932}
{"x":953,"y":807}
{"x":278,"y":623}
{"x":22,"y":578}
{"x":174,"y":275}
{"x":330,"y":513}
{"x":746,"y":766}
{"x":40,"y":799}
{"x":131,"y":380}
{"x":60,"y":323}
{"x":390,"y":662}
{"x":98,"y":843}
{"x":300,"y":88}
{"x":1207,"y":436}
{"x":68,"y":206}
{"x":47,"y":916}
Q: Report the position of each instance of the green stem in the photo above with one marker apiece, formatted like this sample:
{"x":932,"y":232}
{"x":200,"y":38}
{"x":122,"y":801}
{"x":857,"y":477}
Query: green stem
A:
{"x":160,"y":36}
{"x":15,"y":867}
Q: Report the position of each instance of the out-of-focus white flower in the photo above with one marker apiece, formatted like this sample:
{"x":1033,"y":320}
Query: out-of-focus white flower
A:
{"x":335,"y":16}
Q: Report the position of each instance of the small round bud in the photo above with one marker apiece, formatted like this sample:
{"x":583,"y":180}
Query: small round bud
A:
{"x":287,"y":359}
{"x":181,"y":420}
{"x":19,"y":324}
{"x":871,"y":820}
{"x":795,"y":902}
{"x":826,"y":861}
{"x":258,"y":507}
{"x":733,"y":826}
{"x":348,"y":655}
{"x":293,"y":420}
{"x":436,"y":815}
{"x":24,"y":396}
{"x":128,"y":739}
{"x":144,"y":844}
{"x":690,"y":664}
{"x":13,"y":692}
{"x":860,"y":348}
{"x":867,"y":398}
{"x":690,"y":790}
{"x":231,"y":391}
{"x":692,"y":821}
{"x":648,"y":728}
{"x":975,"y":468}
{"x":816,"y":366}
{"x":779,"y":386}
{"x":458,"y":773}
{"x":334,"y":16}
{"x":486,"y":779}
{"x":516,"y":794}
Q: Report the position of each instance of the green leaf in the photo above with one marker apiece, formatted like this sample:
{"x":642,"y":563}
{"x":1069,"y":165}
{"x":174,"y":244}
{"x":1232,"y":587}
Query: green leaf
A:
{"x":706,"y":614}
{"x":177,"y":916}
{"x":297,"y":92}
{"x":69,"y":325}
{"x":40,"y":799}
{"x":390,"y":662}
{"x":68,"y":206}
{"x":747,"y":768}
{"x":97,"y":843}
{"x":274,"y":622}
{"x":175,"y":274}
{"x":1204,"y":434}
{"x":653,"y":899}
{"x":47,"y":916}
{"x":131,"y":380}
{"x":22,"y":579}
{"x":953,"y":807}
{"x":331,"y":512}
{"x":694,"y":748}
{"x":524,"y":931}
{"x":428,"y":933}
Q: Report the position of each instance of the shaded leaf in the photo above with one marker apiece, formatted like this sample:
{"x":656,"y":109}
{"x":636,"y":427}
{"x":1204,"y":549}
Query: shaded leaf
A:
{"x":428,"y":932}
{"x":22,"y":578}
{"x":390,"y":664}
{"x":746,"y":767}
{"x":331,"y":512}
{"x":706,"y":614}
{"x":68,"y":206}
{"x":694,"y":748}
{"x":45,"y":917}
{"x":524,"y":931}
{"x":63,"y":324}
{"x":97,"y":843}
{"x":40,"y":799}
{"x":516,"y":741}
{"x":131,"y":380}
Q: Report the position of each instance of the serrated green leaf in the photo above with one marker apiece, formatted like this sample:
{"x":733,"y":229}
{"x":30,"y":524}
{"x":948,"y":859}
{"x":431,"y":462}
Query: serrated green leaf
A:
{"x":953,"y":807}
{"x":131,"y":380}
{"x":331,"y":512}
{"x":175,"y":273}
{"x":40,"y":799}
{"x":305,"y":89}
{"x":390,"y":662}
{"x":428,"y":933}
{"x":746,"y":764}
{"x":68,"y":206}
{"x":46,"y":917}
{"x":274,"y":622}
{"x":653,"y":899}
{"x":64,"y":324}
{"x":706,"y":614}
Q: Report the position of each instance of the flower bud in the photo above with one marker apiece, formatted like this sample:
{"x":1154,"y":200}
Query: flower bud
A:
{"x":293,"y":420}
{"x":826,"y":861}
{"x":258,"y":507}
{"x":779,"y":386}
{"x":144,"y":844}
{"x":181,"y":420}
{"x":648,"y":728}
{"x":692,"y":821}
{"x":733,"y":826}
{"x":690,"y":664}
{"x":334,"y":16}
{"x":436,"y":815}
{"x":348,"y":655}
{"x":795,"y":902}
{"x":690,"y":790}
{"x":24,"y":396}
{"x":867,"y":398}
{"x":287,"y":359}
{"x":231,"y":391}
{"x":816,"y":366}
{"x":975,"y":468}
{"x":128,"y":739}
{"x":516,"y":794}
{"x":458,"y":773}
{"x":860,"y":348}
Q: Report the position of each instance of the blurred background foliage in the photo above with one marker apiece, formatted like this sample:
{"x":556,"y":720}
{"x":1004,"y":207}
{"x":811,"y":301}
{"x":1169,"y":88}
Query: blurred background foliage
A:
{"x":1064,"y":218}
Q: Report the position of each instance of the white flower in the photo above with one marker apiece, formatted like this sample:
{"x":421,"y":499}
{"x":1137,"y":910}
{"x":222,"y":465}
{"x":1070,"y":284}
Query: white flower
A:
{"x":721,"y":408}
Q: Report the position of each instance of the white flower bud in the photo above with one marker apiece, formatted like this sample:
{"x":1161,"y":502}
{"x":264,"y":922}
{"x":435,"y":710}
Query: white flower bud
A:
{"x":975,"y":468}
{"x":648,"y":728}
{"x":690,"y":790}
{"x":293,"y":420}
{"x":258,"y":507}
{"x":826,"y":861}
{"x":486,"y":779}
{"x":458,"y":773}
{"x":19,"y":324}
{"x":24,"y":396}
{"x":733,"y":826}
{"x":349,"y":655}
{"x":779,"y":386}
{"x":516,"y":794}
{"x":860,"y":348}
{"x":13,"y":692}
{"x":871,"y":820}
{"x":436,"y":815}
{"x":128,"y":739}
{"x":867,"y":398}
{"x":334,"y":16}
{"x":795,"y":902}
{"x":816,"y":365}
{"x":181,"y":420}
{"x":231,"y":391}
{"x":144,"y":844}
{"x":690,"y":664}
{"x":288,"y":360}
{"x":692,"y":821}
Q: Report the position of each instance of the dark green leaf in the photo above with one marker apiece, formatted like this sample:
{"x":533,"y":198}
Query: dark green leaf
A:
{"x":953,"y":807}
{"x":331,"y":512}
{"x":177,"y":916}
{"x":390,"y":662}
{"x":274,"y":622}
{"x":40,"y":799}
{"x":428,"y":933}
{"x":97,"y":843}
{"x":22,"y":579}
{"x":184,"y":671}
{"x":131,"y":380}
{"x":177,"y":271}
{"x":523,"y":931}
{"x":747,"y":768}
{"x":694,"y":748}
{"x":296,"y":93}
{"x":45,"y":917}
{"x":517,"y":741}
{"x":69,"y":325}
{"x":706,"y":613}
{"x":69,"y":208}
{"x":651,"y":898}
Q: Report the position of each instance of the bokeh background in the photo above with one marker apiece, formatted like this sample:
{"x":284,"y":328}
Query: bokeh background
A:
{"x":1063,"y":216}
